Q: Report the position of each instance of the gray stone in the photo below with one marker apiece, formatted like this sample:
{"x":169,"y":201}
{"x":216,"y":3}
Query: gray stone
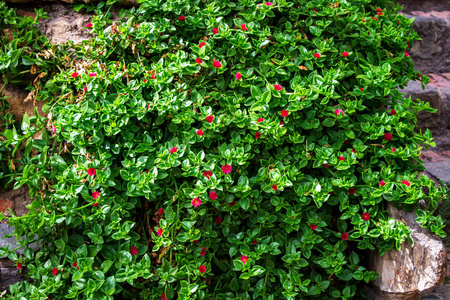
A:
{"x":5,"y":229}
{"x":439,"y":170}
{"x":429,"y":5}
{"x":431,"y":55}
{"x":416,"y":268}
{"x":432,"y":95}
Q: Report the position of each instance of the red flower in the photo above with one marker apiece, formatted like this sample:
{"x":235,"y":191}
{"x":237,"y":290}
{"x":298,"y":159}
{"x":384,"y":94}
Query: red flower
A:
{"x":278,"y":87}
{"x":75,"y":74}
{"x":207,"y":174}
{"x":244,"y":27}
{"x":93,"y":74}
{"x":238,"y":76}
{"x":255,"y":242}
{"x":218,"y":220}
{"x":217,"y":64}
{"x":75,"y":265}
{"x":275,"y":187}
{"x":233,"y":203}
{"x":379,"y":10}
{"x":281,"y":124}
{"x":351,"y":191}
{"x":95,"y":195}
{"x":366,"y":216}
{"x":312,"y":226}
{"x":19,"y":266}
{"x":199,"y":132}
{"x":341,"y":158}
{"x":133,"y":250}
{"x":393,"y":149}
{"x":326,"y":166}
{"x":382,"y":183}
{"x":160,"y":232}
{"x":344,"y":236}
{"x":244,"y":259}
{"x":88,"y":25}
{"x":373,"y":18}
{"x":215,"y":30}
{"x":173,"y":150}
{"x":315,"y":9}
{"x":91,"y":171}
{"x":160,"y":211}
{"x":163,"y":296}
{"x":55,"y":271}
{"x":145,"y":80}
{"x":388,"y":137}
{"x":227,"y":169}
{"x":257,"y":134}
{"x":203,"y":252}
{"x":353,"y":150}
{"x":210,"y":119}
{"x":198,"y":60}
{"x":213,"y":195}
{"x":380,"y":14}
{"x":202,"y":44}
{"x":284,"y":113}
{"x":268,"y":3}
{"x":345,"y":54}
{"x":260,"y":120}
{"x":364,"y":20}
{"x":195,"y":241}
{"x":85,"y":88}
{"x":153,"y":76}
{"x":406,"y":54}
{"x":181,"y":18}
{"x":346,"y":142}
{"x":196,"y":202}
{"x":202,"y":269}
{"x":406,"y":182}
{"x":361,"y":89}
{"x":317,"y":55}
{"x":393,"y":112}
{"x":338,"y":112}
{"x":398,"y":21}
{"x":95,"y":204}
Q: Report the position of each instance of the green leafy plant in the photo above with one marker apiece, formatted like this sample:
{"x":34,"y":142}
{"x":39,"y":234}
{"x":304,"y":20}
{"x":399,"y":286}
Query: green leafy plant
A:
{"x":225,"y":150}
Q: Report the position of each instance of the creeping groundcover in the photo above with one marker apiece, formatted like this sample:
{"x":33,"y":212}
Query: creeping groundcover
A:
{"x":215,"y":150}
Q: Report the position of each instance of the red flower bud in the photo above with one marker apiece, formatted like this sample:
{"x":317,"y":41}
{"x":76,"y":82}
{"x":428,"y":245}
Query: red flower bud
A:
{"x":181,"y":18}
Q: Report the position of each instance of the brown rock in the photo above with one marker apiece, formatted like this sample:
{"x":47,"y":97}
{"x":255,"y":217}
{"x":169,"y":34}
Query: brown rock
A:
{"x":431,"y":156}
{"x":19,"y":199}
{"x":415,"y":268}
{"x":15,"y":95}
{"x":5,"y":204}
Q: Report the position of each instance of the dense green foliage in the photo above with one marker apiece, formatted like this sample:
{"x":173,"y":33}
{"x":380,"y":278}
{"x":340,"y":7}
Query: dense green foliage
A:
{"x":222,"y":150}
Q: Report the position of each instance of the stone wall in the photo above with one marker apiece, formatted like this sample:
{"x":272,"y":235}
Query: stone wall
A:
{"x":431,"y":57}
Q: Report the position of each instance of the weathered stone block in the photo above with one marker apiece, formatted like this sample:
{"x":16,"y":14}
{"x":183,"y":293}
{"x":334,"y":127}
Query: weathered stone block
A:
{"x":431,"y":55}
{"x":416,"y":268}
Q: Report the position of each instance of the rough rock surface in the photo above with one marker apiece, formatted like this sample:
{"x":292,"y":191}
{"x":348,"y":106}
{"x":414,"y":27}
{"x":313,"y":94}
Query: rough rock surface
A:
{"x":415,"y":268}
{"x":437,"y":93}
{"x":430,"y":55}
{"x":15,"y":95}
